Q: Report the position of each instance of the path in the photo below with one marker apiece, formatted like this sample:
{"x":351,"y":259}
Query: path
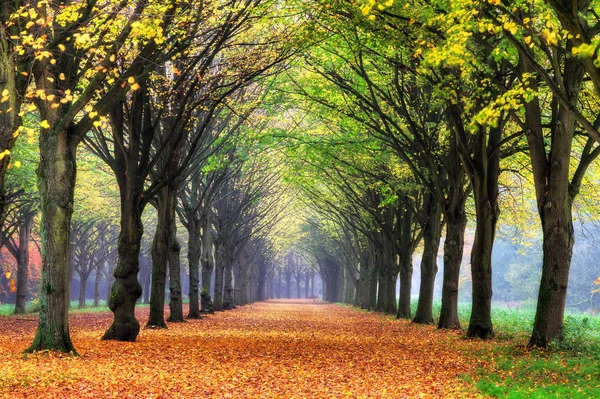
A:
{"x":283,"y":349}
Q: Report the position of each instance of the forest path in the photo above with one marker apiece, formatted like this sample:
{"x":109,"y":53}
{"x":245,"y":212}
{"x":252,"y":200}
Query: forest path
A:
{"x":277,"y":348}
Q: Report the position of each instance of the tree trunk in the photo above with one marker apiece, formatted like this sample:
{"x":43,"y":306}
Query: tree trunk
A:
{"x":160,"y":258}
{"x":406,"y":245}
{"x":431,"y":239}
{"x":208,"y":266}
{"x":56,"y":183}
{"x":406,"y":271}
{"x":125,"y":290}
{"x":23,"y":264}
{"x":97,"y":282}
{"x":83,"y":278}
{"x":555,"y":193}
{"x":307,"y":285}
{"x":218,"y":299}
{"x":558,"y":241}
{"x":456,"y":221}
{"x":228,"y":287}
{"x":194,"y":253}
{"x":175,"y":301}
{"x":14,"y":84}
{"x":373,"y":278}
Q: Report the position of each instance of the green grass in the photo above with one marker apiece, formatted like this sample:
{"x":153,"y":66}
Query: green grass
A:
{"x":569,"y":369}
{"x":8,"y":309}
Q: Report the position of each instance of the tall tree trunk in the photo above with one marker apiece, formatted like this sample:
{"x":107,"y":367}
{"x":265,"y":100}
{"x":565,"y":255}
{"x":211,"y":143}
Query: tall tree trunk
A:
{"x":56,"y":183}
{"x":83,"y":279}
{"x":194,"y":253}
{"x":218,"y":299}
{"x":406,"y":271}
{"x":307,"y":285}
{"x":125,"y":290}
{"x":14,"y":84}
{"x":175,"y":300}
{"x":404,"y":221}
{"x":160,"y":260}
{"x":373,"y":278}
{"x":456,"y":221}
{"x":555,"y":191}
{"x":298,"y":292}
{"x":228,"y":286}
{"x":431,"y":243}
{"x":23,"y":264}
{"x":208,"y":265}
{"x":97,"y":282}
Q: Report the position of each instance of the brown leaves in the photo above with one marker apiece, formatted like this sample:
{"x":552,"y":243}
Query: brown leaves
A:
{"x":265,"y":350}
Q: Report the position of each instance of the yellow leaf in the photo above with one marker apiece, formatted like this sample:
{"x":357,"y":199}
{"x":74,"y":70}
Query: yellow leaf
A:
{"x":44,"y":124}
{"x":135,"y":86}
{"x":7,"y":275}
{"x":131,"y":80}
{"x":17,"y":164}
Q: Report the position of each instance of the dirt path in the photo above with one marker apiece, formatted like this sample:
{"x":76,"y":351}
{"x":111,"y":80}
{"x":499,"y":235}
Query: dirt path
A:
{"x":279,"y":349}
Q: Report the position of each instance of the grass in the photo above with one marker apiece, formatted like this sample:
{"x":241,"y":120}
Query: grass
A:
{"x":570,"y":368}
{"x":8,"y":309}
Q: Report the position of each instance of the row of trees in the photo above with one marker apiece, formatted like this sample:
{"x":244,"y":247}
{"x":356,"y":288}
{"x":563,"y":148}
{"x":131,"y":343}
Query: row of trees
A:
{"x":404,"y":113}
{"x":163,"y":94}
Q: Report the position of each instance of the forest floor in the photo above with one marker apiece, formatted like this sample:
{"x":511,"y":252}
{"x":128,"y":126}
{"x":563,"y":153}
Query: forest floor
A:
{"x":282,"y":349}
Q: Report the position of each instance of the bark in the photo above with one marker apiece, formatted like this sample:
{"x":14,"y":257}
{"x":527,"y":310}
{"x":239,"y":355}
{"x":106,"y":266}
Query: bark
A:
{"x":208,"y":266}
{"x":431,"y":242}
{"x":307,"y":285}
{"x":218,"y":298}
{"x":83,"y":279}
{"x":176,"y":300}
{"x":23,"y":264}
{"x":97,"y":282}
{"x":228,"y":287}
{"x":406,"y":271}
{"x":56,"y":182}
{"x":194,"y":253}
{"x":555,"y":193}
{"x":125,"y":290}
{"x":485,"y":192}
{"x":160,"y":260}
{"x":373,"y":278}
{"x":406,"y":248}
{"x":456,"y":221}
{"x":15,"y":84}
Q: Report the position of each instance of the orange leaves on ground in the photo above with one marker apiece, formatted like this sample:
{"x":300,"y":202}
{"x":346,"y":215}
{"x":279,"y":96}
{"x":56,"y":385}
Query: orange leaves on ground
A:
{"x":271,"y":349}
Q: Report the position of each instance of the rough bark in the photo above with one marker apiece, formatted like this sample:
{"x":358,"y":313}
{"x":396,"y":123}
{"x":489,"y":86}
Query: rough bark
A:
{"x":456,"y":221}
{"x":160,"y":260}
{"x":218,"y":298}
{"x":56,"y":183}
{"x":555,"y":192}
{"x":484,"y":178}
{"x":432,"y":232}
{"x":97,"y":282}
{"x":83,"y":279}
{"x":125,"y":290}
{"x":406,"y":248}
{"x":175,"y":300}
{"x":23,"y":264}
{"x":194,"y":253}
{"x":228,"y":287}
{"x":208,"y":266}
